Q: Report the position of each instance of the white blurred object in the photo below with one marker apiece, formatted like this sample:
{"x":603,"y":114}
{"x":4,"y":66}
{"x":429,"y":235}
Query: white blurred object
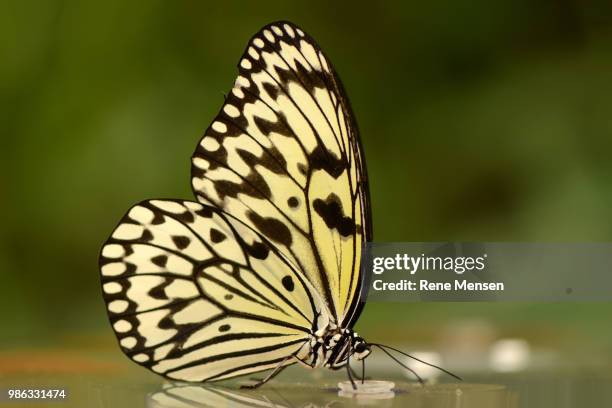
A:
{"x":509,"y":355}
{"x":366,"y":387}
{"x":464,"y":345}
{"x":425,"y":371}
{"x":368,"y":391}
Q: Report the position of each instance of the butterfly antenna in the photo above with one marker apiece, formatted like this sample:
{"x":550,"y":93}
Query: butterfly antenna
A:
{"x":418,"y":359}
{"x":400,"y":363}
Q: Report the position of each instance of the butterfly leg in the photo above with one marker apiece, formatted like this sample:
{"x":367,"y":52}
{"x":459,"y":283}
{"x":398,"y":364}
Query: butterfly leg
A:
{"x":359,"y":377}
{"x":350,"y":376}
{"x":277,"y":370}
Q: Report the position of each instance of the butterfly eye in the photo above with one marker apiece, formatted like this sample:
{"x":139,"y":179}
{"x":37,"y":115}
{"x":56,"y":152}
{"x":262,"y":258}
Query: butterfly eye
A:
{"x":360,"y":347}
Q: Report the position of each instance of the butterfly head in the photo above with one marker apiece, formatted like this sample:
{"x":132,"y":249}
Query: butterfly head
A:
{"x":361,"y":349}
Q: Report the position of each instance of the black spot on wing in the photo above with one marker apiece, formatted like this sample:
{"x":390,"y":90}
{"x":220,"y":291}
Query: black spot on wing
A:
{"x":185,"y":217}
{"x":181,"y":241}
{"x":274,"y":161}
{"x":158,"y":217}
{"x":146,"y":236}
{"x":310,"y":79}
{"x":216,"y":236}
{"x":257,"y":250}
{"x":272,"y":228}
{"x":271,"y":90}
{"x":293,"y":202}
{"x":159,"y":291}
{"x":322,"y":159}
{"x":160,"y":260}
{"x":331,"y":212}
{"x":287,"y":282}
{"x":167,"y":321}
{"x":226,"y":188}
{"x":224,"y":328}
{"x":205,"y":212}
{"x":266,"y":126}
{"x":255,"y":182}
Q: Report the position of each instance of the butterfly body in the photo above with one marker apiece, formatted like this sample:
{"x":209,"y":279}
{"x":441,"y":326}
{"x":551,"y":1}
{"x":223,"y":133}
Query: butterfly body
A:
{"x":333,"y":348}
{"x":264,"y":270}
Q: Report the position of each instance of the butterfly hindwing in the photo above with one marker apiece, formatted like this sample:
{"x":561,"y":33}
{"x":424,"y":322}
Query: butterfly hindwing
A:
{"x":194,"y":294}
{"x":283,"y":156}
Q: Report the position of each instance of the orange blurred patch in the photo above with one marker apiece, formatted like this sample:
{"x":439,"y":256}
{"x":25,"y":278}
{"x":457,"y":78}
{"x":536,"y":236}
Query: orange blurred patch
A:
{"x":54,"y":362}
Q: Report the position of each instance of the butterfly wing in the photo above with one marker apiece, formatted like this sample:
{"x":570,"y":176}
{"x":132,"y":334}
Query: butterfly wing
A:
{"x":283,"y":156}
{"x":195,"y":295}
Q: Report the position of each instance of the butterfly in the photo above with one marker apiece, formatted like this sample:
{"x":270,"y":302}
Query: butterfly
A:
{"x":263,"y":271}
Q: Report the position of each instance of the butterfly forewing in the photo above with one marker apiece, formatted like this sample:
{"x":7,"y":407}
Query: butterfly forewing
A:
{"x":283,"y":157}
{"x":196,"y":295}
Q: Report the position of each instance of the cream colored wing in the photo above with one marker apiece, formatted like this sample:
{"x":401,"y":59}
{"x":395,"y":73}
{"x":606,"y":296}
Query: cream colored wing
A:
{"x":195,"y":295}
{"x":283,"y":156}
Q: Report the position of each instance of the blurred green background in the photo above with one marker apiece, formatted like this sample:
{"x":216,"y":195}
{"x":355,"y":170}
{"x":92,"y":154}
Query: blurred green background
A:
{"x":480,"y":121}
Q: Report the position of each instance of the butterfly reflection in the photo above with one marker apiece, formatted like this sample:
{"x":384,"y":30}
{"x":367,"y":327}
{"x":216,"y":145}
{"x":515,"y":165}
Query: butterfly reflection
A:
{"x":191,"y":396}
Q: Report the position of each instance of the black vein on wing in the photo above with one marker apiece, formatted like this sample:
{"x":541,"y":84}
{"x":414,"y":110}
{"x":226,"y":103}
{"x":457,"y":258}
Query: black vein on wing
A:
{"x":269,"y":363}
{"x":179,"y":338}
{"x":255,"y":367}
{"x":219,"y":340}
{"x":280,"y":117}
{"x":232,"y":354}
{"x":174,"y":303}
{"x":220,"y":205}
{"x":227,"y":118}
{"x":261,"y":193}
{"x":325,"y":80}
{"x":311,"y":94}
{"x":273,"y":248}
{"x":240,"y":293}
{"x":286,"y":92}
